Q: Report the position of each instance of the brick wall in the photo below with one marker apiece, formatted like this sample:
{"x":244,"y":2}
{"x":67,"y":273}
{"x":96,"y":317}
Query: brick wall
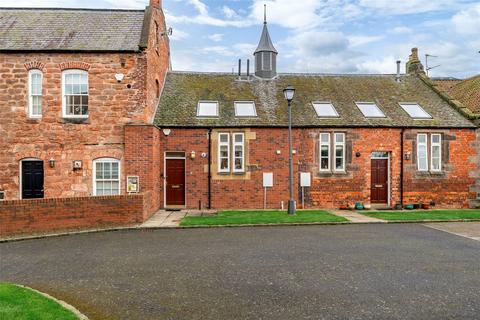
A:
{"x":61,"y":214}
{"x":452,"y":188}
{"x":142,"y":159}
{"x":111,"y":106}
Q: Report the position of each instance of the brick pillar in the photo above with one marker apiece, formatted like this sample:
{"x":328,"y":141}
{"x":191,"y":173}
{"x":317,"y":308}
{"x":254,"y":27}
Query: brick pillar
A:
{"x":142,"y":158}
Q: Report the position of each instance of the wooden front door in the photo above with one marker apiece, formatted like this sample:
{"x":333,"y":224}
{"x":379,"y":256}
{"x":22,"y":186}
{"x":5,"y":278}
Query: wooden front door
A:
{"x":32,"y":179}
{"x":175,"y":182}
{"x":379,"y":181}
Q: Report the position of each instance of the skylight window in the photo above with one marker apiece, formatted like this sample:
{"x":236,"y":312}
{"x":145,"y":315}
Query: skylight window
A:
{"x":245,"y":109}
{"x":325,"y":110}
{"x":370,"y":110}
{"x":415,"y":111}
{"x":207,"y":109}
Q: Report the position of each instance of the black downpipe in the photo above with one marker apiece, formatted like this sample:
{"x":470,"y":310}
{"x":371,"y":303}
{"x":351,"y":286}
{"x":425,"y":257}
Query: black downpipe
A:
{"x":401,"y":167}
{"x":209,"y":168}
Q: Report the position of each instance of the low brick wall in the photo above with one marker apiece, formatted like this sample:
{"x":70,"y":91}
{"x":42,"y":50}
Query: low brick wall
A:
{"x":60,"y":214}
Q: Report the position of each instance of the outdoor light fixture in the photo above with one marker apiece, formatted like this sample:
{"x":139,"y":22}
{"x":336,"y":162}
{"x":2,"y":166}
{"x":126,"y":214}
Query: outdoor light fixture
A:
{"x":51,"y":163}
{"x":167,"y":132}
{"x":192,"y":155}
{"x":289,"y":93}
{"x":407,"y":156}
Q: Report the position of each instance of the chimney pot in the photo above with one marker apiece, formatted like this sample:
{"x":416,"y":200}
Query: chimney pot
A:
{"x":414,"y":65}
{"x":156,"y":3}
{"x":397,"y":77}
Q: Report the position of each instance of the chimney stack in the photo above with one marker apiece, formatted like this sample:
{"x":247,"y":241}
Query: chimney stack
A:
{"x":414,"y":65}
{"x":156,"y":3}
{"x":239,"y":68}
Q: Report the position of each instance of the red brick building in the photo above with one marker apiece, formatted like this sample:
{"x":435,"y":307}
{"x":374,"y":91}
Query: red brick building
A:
{"x":86,"y":111}
{"x":377,"y":139}
{"x":70,"y":80}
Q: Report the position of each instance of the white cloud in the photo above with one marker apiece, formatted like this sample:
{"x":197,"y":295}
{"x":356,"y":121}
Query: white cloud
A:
{"x":219,"y":50}
{"x":179,"y":35}
{"x":356,"y":41}
{"x":229,"y":12}
{"x":467,"y":21}
{"x":381,"y":65}
{"x":401,"y":30}
{"x":409,"y":6}
{"x":217,"y":37}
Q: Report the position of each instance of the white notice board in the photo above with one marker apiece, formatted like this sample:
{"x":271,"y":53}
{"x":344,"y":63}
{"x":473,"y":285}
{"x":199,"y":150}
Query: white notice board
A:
{"x":305,"y":179}
{"x":268,"y":179}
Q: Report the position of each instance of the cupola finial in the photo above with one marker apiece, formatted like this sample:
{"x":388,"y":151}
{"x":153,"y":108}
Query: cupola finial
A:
{"x":264,"y":14}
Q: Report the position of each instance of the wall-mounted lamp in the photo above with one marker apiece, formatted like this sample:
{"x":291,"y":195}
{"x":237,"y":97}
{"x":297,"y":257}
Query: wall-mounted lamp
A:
{"x":167,"y":132}
{"x":278,"y":152}
{"x":119,"y":77}
{"x":51,"y":163}
{"x":192,"y":155}
{"x":358,"y":154}
{"x":408,"y":155}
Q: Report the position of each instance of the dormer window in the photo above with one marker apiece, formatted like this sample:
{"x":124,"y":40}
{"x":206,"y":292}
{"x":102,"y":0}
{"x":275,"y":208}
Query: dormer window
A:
{"x":370,"y":110}
{"x":35,"y":77}
{"x":75,"y":94}
{"x":415,"y":111}
{"x":207,"y":109}
{"x":245,"y":109}
{"x":325,"y":110}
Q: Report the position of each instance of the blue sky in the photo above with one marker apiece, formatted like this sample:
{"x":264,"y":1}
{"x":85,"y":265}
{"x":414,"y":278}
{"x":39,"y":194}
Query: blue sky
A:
{"x":326,"y":36}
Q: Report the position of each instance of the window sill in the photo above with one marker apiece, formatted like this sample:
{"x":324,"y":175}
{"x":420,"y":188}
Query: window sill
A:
{"x":75,"y":119}
{"x":239,"y":173}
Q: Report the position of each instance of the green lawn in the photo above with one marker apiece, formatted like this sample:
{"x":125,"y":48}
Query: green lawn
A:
{"x":425,"y":215}
{"x":17,"y":303}
{"x":261,"y":217}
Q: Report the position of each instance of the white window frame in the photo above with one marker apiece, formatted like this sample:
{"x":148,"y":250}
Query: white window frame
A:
{"x":31,"y":95}
{"x":234,"y":157}
{"x":329,"y":151}
{"x":237,"y":103}
{"x":334,"y":156}
{"x":404,"y":106}
{"x":325,"y":103}
{"x":425,"y":144}
{"x":219,"y":158}
{"x":94,"y":174}
{"x":209,"y":116}
{"x":374,"y":105}
{"x":64,"y":100}
{"x":439,"y":144}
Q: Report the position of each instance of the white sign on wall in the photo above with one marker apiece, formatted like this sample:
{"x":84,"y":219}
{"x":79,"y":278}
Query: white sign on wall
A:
{"x":268,"y":179}
{"x":305,"y":179}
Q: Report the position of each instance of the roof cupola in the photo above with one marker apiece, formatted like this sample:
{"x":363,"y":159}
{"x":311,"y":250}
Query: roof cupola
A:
{"x":266,"y":54}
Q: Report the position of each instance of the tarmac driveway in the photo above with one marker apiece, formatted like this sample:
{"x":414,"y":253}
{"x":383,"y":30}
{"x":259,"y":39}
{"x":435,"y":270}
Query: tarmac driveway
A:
{"x":400,"y":271}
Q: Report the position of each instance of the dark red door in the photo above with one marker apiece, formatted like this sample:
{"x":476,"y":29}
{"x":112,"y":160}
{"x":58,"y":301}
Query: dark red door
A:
{"x":379,"y":181}
{"x":32,"y":179}
{"x":175,"y":183}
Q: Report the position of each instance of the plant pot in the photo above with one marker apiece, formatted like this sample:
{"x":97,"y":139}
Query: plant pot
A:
{"x":409,"y":207}
{"x":359,"y":206}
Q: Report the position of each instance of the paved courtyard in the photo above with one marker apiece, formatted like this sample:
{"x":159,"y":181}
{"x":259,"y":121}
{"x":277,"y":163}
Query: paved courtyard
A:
{"x":381,"y":271}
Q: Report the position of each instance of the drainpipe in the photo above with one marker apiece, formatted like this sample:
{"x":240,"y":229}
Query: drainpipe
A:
{"x":210,"y":168}
{"x":401,"y":166}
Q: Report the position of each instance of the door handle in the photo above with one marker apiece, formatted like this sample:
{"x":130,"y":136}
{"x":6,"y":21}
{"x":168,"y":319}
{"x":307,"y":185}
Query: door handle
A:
{"x":379,"y":186}
{"x":175,"y":186}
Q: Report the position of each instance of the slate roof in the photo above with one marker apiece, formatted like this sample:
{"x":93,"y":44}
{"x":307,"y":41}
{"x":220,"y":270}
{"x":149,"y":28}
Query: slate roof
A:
{"x":466,"y":91}
{"x":265,"y":43}
{"x":182,"y":91}
{"x":27,"y":29}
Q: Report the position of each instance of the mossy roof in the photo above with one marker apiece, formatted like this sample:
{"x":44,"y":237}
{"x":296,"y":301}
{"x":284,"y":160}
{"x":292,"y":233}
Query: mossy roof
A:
{"x":183,"y":91}
{"x":468,"y":93}
{"x":32,"y":29}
